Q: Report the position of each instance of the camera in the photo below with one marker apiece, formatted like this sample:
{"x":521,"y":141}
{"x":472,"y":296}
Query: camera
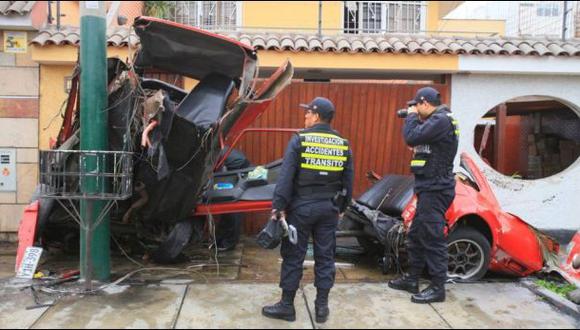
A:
{"x":402,"y":113}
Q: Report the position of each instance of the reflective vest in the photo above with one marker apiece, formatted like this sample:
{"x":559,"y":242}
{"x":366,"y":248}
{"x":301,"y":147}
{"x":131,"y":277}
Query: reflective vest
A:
{"x":323,"y":156}
{"x":436,"y":159}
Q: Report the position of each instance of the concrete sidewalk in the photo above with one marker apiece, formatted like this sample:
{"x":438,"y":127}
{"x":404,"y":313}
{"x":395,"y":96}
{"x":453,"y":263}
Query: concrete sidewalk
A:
{"x":238,"y":305}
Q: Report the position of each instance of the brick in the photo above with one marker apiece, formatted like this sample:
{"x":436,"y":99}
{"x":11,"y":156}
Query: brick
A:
{"x":7,"y":59}
{"x":18,"y":133}
{"x":10,"y":216}
{"x":22,"y":82}
{"x":19,"y":108}
{"x":26,"y":181}
{"x":28,"y":155}
{"x":7,"y":197}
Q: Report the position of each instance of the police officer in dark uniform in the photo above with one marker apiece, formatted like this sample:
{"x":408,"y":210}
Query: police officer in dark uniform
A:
{"x":432,"y":131}
{"x":314,"y":187}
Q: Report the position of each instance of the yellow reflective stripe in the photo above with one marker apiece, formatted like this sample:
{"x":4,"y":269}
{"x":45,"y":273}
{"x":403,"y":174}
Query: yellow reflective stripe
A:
{"x":418,"y":162}
{"x":322,"y":168}
{"x":329,"y":146}
{"x":456,"y":132}
{"x":322,"y":134}
{"x":324,"y":157}
{"x":455,"y":122}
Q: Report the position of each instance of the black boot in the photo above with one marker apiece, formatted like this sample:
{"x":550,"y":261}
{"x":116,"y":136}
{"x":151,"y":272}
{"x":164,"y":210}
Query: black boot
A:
{"x":282,"y":310}
{"x":321,"y":305}
{"x":405,"y":283}
{"x":434,"y":293}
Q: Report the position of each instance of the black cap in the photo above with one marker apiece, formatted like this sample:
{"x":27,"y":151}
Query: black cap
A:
{"x":428,"y":94}
{"x":321,"y":106}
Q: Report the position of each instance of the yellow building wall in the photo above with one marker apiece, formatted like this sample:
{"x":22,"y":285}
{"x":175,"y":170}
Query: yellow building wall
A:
{"x":52,"y":97}
{"x":433,"y":16}
{"x":57,"y":62}
{"x":298,"y":15}
{"x":70,"y":10}
{"x":67,"y":54}
{"x":373,"y":61}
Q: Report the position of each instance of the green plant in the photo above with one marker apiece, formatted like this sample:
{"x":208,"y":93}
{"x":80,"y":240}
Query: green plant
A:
{"x":560,"y":289}
{"x":161,"y":9}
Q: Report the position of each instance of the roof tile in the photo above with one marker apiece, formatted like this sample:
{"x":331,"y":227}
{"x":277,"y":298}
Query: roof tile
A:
{"x":385,"y":43}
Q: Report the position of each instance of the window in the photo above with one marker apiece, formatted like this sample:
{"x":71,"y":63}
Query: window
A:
{"x":548,"y":9}
{"x":210,"y":15}
{"x":383,"y":16}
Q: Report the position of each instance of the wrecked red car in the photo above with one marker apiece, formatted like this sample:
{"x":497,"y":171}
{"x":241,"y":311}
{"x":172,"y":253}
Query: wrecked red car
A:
{"x":481,"y":236}
{"x":176,"y":137}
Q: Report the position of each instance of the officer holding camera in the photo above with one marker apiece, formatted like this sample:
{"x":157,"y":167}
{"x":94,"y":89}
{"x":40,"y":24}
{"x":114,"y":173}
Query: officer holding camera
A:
{"x":432,"y":131}
{"x":314,"y":187}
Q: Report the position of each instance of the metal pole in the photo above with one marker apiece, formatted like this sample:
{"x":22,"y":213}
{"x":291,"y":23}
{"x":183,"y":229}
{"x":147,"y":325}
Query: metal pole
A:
{"x":50,"y":12}
{"x":564,"y":28}
{"x":319,"y":18}
{"x":95,"y":250}
{"x":58,"y":15}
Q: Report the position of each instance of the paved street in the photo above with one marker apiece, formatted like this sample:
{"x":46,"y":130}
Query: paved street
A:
{"x":232,"y":298}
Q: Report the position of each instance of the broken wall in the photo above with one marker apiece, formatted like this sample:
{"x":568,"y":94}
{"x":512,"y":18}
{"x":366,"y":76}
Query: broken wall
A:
{"x":548,"y":203}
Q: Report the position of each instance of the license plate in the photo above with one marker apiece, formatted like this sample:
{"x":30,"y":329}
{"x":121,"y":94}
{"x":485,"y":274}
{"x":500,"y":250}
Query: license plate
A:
{"x":29,"y":262}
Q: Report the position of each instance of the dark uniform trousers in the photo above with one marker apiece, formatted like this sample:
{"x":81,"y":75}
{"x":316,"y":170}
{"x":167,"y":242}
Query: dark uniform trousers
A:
{"x":321,"y":219}
{"x":426,"y":241}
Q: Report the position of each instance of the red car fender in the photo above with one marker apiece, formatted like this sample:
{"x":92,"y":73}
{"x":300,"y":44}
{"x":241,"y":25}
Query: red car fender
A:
{"x":465,"y":204}
{"x":518,"y":247}
{"x":27,"y":231}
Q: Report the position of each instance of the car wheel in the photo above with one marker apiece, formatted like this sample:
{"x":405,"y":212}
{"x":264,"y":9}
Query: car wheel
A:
{"x":469,"y":254}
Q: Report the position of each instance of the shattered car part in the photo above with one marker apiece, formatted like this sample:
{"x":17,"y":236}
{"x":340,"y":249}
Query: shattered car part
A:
{"x":571,"y":265}
{"x":176,"y":136}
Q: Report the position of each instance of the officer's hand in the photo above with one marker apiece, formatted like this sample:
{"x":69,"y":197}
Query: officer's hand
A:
{"x":412,"y":109}
{"x":274,"y":215}
{"x":277,"y":215}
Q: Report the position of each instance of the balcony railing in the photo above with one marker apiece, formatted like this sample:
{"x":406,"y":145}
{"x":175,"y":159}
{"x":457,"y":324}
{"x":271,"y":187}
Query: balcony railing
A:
{"x":368,"y":17}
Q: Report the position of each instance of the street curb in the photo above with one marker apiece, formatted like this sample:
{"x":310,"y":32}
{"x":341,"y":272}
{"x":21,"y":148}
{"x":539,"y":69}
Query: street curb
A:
{"x":559,"y":302}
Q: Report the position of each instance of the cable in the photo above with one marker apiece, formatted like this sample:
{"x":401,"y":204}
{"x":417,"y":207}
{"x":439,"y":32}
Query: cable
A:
{"x":125,"y":253}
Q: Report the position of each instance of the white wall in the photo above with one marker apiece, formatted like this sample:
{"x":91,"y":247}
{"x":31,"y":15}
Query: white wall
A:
{"x":549,"y":203}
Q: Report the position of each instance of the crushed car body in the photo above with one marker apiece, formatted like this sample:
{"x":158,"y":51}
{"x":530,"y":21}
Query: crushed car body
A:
{"x":175,"y":135}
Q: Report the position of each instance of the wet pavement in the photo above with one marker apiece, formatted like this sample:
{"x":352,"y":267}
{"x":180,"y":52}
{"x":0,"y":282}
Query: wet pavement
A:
{"x":201,"y":294}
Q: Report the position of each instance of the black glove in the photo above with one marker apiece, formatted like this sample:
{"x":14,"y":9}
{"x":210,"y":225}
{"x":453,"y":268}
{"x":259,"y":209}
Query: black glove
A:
{"x":271,"y":236}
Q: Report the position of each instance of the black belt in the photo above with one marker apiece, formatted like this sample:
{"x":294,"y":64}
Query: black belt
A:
{"x":328,"y":191}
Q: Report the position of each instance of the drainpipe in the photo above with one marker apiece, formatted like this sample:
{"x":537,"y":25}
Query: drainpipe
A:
{"x":49,"y":20}
{"x":564,"y":28}
{"x":95,"y":251}
{"x":319,"y":18}
{"x":58,"y":15}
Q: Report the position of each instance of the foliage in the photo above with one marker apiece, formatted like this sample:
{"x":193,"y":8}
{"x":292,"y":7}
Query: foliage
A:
{"x":161,"y":9}
{"x":559,"y":288}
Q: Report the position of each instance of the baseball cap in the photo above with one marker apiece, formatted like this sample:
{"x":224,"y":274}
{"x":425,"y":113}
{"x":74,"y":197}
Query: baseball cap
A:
{"x":428,"y":94}
{"x":320,"y":105}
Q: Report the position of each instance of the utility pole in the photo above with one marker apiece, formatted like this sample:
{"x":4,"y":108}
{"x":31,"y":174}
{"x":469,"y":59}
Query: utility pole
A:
{"x":564,"y":23}
{"x":95,"y":250}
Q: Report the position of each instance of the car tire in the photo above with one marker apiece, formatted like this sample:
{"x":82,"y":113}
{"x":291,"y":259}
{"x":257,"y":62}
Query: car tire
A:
{"x":469,"y":254}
